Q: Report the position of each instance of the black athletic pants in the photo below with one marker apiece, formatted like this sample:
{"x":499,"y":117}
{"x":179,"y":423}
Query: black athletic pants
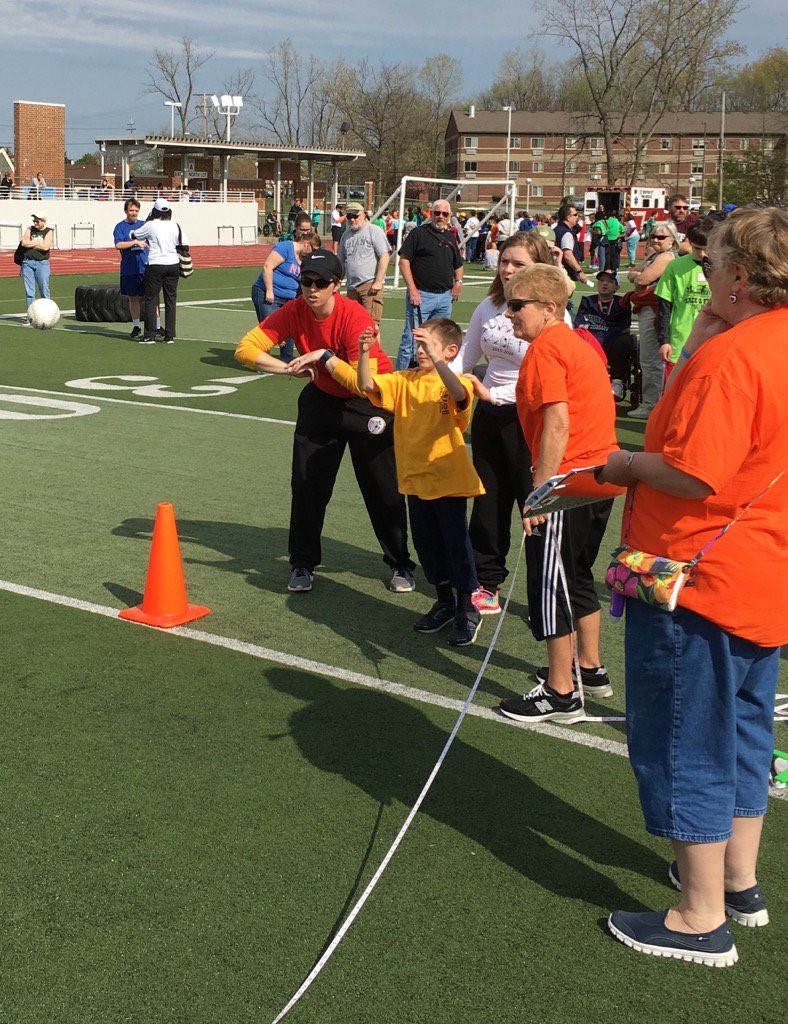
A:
{"x":503,"y":462}
{"x":577,"y":534}
{"x":158,"y":278}
{"x":620,"y":351}
{"x":326,"y":425}
{"x":439,"y":530}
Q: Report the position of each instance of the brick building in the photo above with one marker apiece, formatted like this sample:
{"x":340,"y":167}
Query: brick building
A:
{"x":562,"y":152}
{"x":39,"y":141}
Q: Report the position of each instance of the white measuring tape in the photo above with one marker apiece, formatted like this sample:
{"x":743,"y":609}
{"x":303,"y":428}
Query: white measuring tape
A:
{"x":326,"y":955}
{"x":781,"y":710}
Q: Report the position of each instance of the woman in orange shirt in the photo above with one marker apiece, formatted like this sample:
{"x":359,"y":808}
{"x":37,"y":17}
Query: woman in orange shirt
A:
{"x":701,"y":681}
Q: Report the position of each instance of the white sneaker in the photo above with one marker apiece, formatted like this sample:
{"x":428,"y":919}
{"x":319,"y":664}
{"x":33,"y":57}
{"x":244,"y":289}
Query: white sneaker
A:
{"x":641,"y":413}
{"x":402,"y":582}
{"x":618,"y":390}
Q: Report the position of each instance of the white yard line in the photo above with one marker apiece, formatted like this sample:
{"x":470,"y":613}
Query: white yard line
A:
{"x":334,"y":672}
{"x":97,"y":396}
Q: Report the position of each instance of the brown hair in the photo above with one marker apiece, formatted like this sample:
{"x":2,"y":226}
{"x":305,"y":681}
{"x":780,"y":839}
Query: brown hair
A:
{"x":758,"y":240}
{"x":548,"y":284}
{"x":446,"y":329}
{"x":538,"y":249}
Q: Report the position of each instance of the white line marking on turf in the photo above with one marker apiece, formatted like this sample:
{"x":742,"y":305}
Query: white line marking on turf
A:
{"x":334,"y":672}
{"x":98,"y":397}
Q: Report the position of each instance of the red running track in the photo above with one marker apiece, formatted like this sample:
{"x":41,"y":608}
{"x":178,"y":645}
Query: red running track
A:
{"x":107,"y":261}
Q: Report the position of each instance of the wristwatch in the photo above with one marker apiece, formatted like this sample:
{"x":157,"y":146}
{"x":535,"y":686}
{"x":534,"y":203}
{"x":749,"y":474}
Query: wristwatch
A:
{"x":328,"y":354}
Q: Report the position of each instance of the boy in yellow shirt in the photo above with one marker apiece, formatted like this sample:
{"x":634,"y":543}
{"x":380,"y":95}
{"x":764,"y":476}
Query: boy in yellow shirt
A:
{"x":432,"y":407}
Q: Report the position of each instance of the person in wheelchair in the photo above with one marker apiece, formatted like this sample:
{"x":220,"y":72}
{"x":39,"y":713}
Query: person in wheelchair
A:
{"x":609,"y":319}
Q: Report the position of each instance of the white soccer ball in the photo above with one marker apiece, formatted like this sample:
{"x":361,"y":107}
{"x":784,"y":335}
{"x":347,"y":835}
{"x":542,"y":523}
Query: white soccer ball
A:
{"x":43,"y":314}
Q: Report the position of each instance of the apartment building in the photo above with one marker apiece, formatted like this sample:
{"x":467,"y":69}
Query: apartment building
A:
{"x":552,"y":154}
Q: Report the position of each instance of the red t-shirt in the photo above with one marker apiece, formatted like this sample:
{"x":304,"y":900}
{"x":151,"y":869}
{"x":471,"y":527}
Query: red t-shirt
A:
{"x":560,"y":366}
{"x":724,"y":420}
{"x":339,"y":332}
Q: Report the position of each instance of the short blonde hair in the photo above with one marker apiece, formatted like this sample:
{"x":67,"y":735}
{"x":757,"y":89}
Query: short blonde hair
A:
{"x":548,"y":284}
{"x":758,"y":240}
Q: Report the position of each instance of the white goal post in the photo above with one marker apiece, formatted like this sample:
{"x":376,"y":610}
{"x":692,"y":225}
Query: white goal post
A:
{"x":508,"y":200}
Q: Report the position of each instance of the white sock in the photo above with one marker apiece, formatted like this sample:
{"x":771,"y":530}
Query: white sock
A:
{"x":137,"y":322}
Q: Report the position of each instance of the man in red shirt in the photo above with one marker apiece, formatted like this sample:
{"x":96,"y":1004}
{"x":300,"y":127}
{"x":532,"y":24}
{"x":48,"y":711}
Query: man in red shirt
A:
{"x":331,"y":418}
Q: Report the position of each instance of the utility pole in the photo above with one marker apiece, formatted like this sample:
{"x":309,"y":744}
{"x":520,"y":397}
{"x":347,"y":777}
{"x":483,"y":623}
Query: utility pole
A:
{"x":722,"y":152}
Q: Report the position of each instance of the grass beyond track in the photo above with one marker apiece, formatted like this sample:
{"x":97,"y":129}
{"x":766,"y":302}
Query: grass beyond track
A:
{"x":186,"y":823}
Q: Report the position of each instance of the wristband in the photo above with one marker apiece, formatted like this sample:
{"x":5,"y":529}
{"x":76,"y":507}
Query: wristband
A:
{"x":684,"y":354}
{"x":328,"y":354}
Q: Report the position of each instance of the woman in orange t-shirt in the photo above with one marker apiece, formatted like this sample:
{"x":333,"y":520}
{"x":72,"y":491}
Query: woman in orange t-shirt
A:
{"x":701,"y":681}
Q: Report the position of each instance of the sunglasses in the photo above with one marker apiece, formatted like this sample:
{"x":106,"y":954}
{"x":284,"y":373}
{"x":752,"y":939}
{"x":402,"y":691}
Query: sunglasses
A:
{"x":660,"y":238}
{"x":675,"y":207}
{"x":515,"y":305}
{"x":441,"y":213}
{"x":314,"y":282}
{"x":352,"y":216}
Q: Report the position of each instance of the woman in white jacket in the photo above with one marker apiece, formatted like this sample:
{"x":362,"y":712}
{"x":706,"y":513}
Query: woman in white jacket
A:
{"x":162,"y":273}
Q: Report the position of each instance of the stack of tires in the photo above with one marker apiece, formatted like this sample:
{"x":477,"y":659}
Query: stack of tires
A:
{"x":97,"y":305}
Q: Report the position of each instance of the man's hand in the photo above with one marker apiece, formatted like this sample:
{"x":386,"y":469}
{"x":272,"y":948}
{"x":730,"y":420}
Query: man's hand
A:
{"x":415,"y":296}
{"x":479,"y":389}
{"x":664,"y":353}
{"x":375,"y":287}
{"x":456,"y":291}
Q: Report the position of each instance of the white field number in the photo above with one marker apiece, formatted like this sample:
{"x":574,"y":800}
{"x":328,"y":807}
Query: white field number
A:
{"x":146,"y":387}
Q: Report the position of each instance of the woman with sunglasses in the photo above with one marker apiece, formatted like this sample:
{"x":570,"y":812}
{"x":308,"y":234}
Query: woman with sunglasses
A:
{"x":332,"y":416}
{"x":663,"y":246}
{"x":35,"y":270}
{"x":701,"y":681}
{"x":500,"y":454}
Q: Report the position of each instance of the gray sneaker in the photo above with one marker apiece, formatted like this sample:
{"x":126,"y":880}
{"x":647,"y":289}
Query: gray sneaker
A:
{"x":300,"y":580}
{"x":402,"y":582}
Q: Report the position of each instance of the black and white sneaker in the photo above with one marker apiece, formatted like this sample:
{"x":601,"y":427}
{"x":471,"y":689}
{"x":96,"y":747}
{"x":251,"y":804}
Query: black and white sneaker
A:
{"x":543,"y":705}
{"x":648,"y":933}
{"x":402,"y":582}
{"x":300,"y":580}
{"x":160,"y":336}
{"x":465,"y":630}
{"x":747,"y":907}
{"x":136,"y":332}
{"x":438,"y":617}
{"x":145,"y":340}
{"x":596,"y":682}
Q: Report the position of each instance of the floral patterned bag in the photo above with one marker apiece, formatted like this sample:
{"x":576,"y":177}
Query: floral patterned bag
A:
{"x":654,"y":579}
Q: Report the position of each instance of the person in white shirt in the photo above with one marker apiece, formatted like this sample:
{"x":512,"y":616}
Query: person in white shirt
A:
{"x":472,"y":225}
{"x":162,"y":273}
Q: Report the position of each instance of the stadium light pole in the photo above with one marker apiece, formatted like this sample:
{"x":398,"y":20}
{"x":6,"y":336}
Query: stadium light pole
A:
{"x":528,"y":183}
{"x":172,"y":105}
{"x":229,"y":107}
{"x":508,"y":108}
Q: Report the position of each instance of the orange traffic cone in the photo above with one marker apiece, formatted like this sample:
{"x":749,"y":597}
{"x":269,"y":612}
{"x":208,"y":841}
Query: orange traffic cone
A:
{"x":164,"y":601}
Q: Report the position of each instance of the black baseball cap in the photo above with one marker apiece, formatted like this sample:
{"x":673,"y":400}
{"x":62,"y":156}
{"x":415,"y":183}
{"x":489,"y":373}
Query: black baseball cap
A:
{"x":322,"y":264}
{"x":607,"y":273}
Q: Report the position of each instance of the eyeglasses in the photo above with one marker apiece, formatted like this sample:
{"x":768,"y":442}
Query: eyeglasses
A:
{"x":660,"y":238}
{"x":677,"y":207}
{"x":441,"y":213}
{"x":515,"y":305}
{"x":707,"y":265}
{"x":314,"y":282}
{"x":352,"y":216}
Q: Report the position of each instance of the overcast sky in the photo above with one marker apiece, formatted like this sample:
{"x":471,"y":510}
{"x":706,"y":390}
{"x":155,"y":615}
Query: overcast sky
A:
{"x":92,"y":55}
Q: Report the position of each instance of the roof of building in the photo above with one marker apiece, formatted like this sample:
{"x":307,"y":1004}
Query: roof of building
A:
{"x":196,"y":146}
{"x":579,"y":122}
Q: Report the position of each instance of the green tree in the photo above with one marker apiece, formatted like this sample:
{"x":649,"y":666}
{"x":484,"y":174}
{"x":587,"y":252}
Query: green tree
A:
{"x":758,"y":177}
{"x":761,"y":85}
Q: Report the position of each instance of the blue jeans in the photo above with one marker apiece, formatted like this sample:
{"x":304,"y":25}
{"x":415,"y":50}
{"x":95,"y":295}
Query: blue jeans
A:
{"x":601,"y":255}
{"x":264,"y":309}
{"x":470,"y":249}
{"x":632,"y":247}
{"x":35,"y":272}
{"x":433,"y":305}
{"x":700,"y":730}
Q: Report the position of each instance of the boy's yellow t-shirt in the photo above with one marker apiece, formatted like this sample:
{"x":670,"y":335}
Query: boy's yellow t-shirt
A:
{"x":432,"y":460}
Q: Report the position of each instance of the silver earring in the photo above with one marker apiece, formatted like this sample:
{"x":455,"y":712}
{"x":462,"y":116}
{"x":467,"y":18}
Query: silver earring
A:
{"x":733,"y":297}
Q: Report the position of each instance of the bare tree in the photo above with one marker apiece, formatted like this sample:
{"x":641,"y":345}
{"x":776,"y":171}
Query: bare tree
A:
{"x":285,"y":115}
{"x":171,"y":74}
{"x":637,"y":57}
{"x":523,"y":79}
{"x":440,"y":79}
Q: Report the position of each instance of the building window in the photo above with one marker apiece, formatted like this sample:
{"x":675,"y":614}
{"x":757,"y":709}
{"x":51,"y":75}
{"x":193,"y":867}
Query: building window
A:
{"x":664,"y":168}
{"x":597,"y":143}
{"x":470,"y":166}
{"x":536,"y":190}
{"x":514,"y":167}
{"x":768,"y":145}
{"x":571,"y":143}
{"x":537,"y":166}
{"x":570,"y":167}
{"x":471,"y":141}
{"x":665,"y":143}
{"x":595,"y":168}
{"x":744,"y":143}
{"x":696,"y":169}
{"x":515,"y":142}
{"x":537,"y":142}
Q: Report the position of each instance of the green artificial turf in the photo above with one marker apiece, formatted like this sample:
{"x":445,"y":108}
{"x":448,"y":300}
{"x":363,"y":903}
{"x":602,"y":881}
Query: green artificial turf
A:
{"x":184,"y":826}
